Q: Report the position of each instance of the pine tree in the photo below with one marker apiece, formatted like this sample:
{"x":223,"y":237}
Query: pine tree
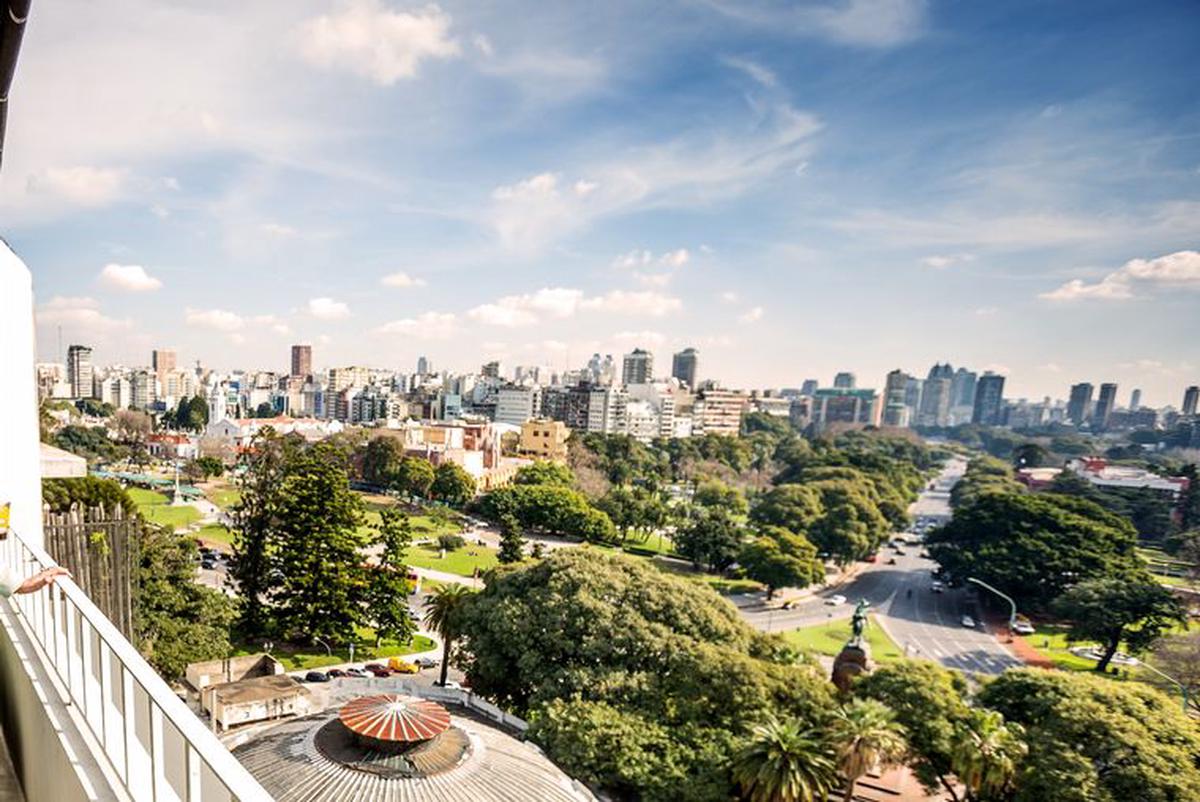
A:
{"x":512,"y":543}
{"x":388,"y":587}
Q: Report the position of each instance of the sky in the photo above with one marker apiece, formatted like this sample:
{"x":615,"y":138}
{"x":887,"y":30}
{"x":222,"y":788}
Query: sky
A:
{"x":792,"y":188}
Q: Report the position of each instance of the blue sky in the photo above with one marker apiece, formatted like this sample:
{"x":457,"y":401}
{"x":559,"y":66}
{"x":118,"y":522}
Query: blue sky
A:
{"x":793,"y":189}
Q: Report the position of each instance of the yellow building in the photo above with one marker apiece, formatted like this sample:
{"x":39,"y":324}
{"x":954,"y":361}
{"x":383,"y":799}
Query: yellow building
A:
{"x":544,"y":439}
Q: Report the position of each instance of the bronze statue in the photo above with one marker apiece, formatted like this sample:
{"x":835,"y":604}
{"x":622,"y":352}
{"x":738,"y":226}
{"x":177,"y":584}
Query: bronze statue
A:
{"x":855,"y":657}
{"x":859,"y":622}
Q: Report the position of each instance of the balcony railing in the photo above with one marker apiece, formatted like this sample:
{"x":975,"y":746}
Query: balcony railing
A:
{"x":154,"y":747}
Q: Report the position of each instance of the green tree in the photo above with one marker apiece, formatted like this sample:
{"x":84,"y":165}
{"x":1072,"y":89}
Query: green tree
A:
{"x":388,"y":586}
{"x":197,"y":414}
{"x":443,"y":609}
{"x":544,"y":472}
{"x":266,"y":465}
{"x":851,"y":527}
{"x":1030,"y":455}
{"x":1112,"y":610}
{"x":177,"y":621}
{"x":1034,"y":546}
{"x":783,"y":762}
{"x":715,"y":493}
{"x":322,"y":583}
{"x":264,"y":410}
{"x":931,"y":703}
{"x":380,"y":458}
{"x":512,"y":544}
{"x":414,"y":476}
{"x":987,"y":754}
{"x":711,"y":537}
{"x":210,"y":466}
{"x":452,"y":484}
{"x":791,"y":506}
{"x":550,"y":508}
{"x":780,"y":559}
{"x":866,"y":734}
{"x":87,"y":491}
{"x":1094,"y":740}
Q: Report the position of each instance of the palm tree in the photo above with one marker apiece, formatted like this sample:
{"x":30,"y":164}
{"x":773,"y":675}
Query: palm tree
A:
{"x":986,"y":754}
{"x":783,"y":762}
{"x":866,"y":735}
{"x":441,"y":609}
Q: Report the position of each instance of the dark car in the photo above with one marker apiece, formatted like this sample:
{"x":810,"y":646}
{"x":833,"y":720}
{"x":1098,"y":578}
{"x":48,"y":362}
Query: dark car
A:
{"x":377,"y":670}
{"x":208,"y":563}
{"x":337,"y":672}
{"x":316,"y":676}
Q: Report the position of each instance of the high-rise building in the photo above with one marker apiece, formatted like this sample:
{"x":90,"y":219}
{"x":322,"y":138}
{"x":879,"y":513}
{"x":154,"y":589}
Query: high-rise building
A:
{"x":1135,"y":400}
{"x":490,"y":370}
{"x":962,"y":388}
{"x":162,"y":360}
{"x":809,"y":387}
{"x":895,"y":389}
{"x":301,"y":361}
{"x":989,"y":399}
{"x":424,"y":366}
{"x":1191,"y":397}
{"x":844,"y":405}
{"x":683,"y":366}
{"x":844,"y":381}
{"x":1105,"y":404}
{"x":79,"y":371}
{"x":1079,"y":404}
{"x":637,"y":367}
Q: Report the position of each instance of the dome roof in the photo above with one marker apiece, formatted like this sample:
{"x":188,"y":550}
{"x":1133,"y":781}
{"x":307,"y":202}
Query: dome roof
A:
{"x":394,"y":718}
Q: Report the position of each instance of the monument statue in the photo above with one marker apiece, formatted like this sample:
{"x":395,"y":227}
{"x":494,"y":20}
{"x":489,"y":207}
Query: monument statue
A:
{"x":855,"y":657}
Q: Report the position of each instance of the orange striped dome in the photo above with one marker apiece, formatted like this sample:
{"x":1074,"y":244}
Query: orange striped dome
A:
{"x":392,"y":718}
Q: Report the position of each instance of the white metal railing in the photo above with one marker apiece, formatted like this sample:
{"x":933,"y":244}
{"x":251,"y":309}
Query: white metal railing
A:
{"x":154,"y":745}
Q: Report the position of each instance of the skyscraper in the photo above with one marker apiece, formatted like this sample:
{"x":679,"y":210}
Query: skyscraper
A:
{"x":989,"y":399}
{"x":895,"y":390}
{"x":637,"y":367}
{"x":683,"y":366}
{"x":1135,"y":400}
{"x":1191,"y":396}
{"x":301,"y":361}
{"x":79,"y":371}
{"x":844,"y":381}
{"x":424,"y":366}
{"x":163,"y":362}
{"x":1079,"y":404}
{"x":1104,"y":405}
{"x":809,"y":387}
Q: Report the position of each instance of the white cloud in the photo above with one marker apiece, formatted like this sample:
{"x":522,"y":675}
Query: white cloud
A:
{"x":272,"y":322}
{"x":401,"y":279}
{"x":82,"y":314}
{"x":1180,"y":269}
{"x":752,"y":315}
{"x":216,"y":319}
{"x":278,"y":230}
{"x":132,"y":278}
{"x":653,"y":279}
{"x":583,"y":187}
{"x":943,"y":261}
{"x":668,"y":261}
{"x":483,"y":44}
{"x":729,"y":297}
{"x":866,"y":23}
{"x":426,"y":326}
{"x":986,"y":311}
{"x":677,"y":258}
{"x":328,"y":309}
{"x":367,"y":39}
{"x":84,"y":186}
{"x":525,"y":310}
{"x":653,"y":339}
{"x":753,"y":69}
{"x":641,"y":303}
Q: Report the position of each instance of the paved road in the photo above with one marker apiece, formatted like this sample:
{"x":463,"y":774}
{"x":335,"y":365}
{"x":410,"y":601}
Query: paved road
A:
{"x":925,"y":623}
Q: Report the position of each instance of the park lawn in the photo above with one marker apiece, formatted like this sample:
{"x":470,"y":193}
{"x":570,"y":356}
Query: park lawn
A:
{"x":423,"y":526}
{"x":1050,"y":641}
{"x":156,"y":508}
{"x":224,"y":495}
{"x":216,"y":533}
{"x":829,"y":638}
{"x":721,"y":584}
{"x":464,"y":561}
{"x":297,"y":656}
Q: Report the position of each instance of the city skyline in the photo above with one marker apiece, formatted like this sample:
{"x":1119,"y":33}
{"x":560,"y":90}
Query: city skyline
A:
{"x":538,"y":187}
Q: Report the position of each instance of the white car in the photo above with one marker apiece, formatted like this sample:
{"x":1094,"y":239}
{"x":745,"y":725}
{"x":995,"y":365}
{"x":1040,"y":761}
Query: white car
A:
{"x":451,"y":684}
{"x":835,"y":600}
{"x":1023,"y":628}
{"x":968,"y":622}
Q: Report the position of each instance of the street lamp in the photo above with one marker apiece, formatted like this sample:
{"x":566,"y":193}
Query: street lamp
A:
{"x":1183,"y":691}
{"x":1012,"y":618}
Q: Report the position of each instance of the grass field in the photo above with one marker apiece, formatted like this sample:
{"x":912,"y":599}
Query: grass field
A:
{"x":294,"y":656}
{"x":829,"y":638}
{"x":1050,"y":641}
{"x":462,"y":561}
{"x":423,"y":526}
{"x":718,"y":583}
{"x":156,"y":508}
{"x":218,"y":534}
{"x":224,"y":495}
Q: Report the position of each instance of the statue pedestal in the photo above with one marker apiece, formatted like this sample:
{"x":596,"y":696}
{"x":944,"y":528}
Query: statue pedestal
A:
{"x":853,"y":660}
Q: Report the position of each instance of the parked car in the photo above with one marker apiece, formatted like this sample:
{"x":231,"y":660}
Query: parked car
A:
{"x":1023,"y":628}
{"x":427,"y":662}
{"x":334,"y":673}
{"x":208,"y":563}
{"x":316,"y":676}
{"x":357,"y":673}
{"x":449,"y":684}
{"x":378,"y":671}
{"x":968,"y":622}
{"x":835,"y":600}
{"x":937,"y":586}
{"x":403,"y":666}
